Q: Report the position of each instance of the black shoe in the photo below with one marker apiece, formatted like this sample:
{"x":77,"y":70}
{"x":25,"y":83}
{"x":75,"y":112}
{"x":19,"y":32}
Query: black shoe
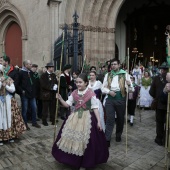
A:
{"x":63,"y":117}
{"x":45,"y":123}
{"x":118,"y":139}
{"x":53,"y":122}
{"x":27,"y":127}
{"x":36,"y":125}
{"x":108,"y":144}
{"x":159,"y":142}
{"x":131,"y":124}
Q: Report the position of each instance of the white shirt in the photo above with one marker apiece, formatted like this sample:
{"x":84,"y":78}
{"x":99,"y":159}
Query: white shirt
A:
{"x":114,"y":84}
{"x":96,"y":85}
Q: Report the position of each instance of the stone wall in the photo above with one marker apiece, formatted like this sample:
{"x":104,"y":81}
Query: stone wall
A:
{"x":40,"y":21}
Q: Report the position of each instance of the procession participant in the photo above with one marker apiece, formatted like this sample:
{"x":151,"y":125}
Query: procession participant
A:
{"x":73,"y":82}
{"x":48,"y":83}
{"x":36,"y":76}
{"x":65,"y":88}
{"x":81,"y":141}
{"x":26,"y":89}
{"x":11,"y":71}
{"x":137,"y":74}
{"x":132,"y":97}
{"x":150,"y":68}
{"x":156,"y":89}
{"x":115,"y":85}
{"x":145,"y":99}
{"x":96,"y":85}
{"x":93,"y":68}
{"x":141,"y":67}
{"x":11,"y":122}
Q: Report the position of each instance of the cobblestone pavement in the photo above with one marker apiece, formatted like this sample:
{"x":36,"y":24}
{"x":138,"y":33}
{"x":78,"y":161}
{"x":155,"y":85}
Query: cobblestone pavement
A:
{"x":33,"y":149}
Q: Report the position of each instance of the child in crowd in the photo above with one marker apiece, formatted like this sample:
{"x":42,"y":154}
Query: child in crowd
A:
{"x":81,"y":141}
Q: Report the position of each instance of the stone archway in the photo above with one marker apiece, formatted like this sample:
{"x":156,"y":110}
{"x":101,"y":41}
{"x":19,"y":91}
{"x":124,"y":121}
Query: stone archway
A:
{"x":98,"y":20}
{"x":10,"y":14}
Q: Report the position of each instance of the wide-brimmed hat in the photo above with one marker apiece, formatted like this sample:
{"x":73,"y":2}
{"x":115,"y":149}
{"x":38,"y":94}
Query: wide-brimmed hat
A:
{"x":49,"y":65}
{"x":67,"y":66}
{"x":164,"y":65}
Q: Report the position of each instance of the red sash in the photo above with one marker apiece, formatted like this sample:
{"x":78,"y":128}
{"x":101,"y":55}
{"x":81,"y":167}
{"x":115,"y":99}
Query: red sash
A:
{"x":81,"y":100}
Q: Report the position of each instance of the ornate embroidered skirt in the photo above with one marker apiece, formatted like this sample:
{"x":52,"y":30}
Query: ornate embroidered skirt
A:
{"x":95,"y":153}
{"x":17,"y":123}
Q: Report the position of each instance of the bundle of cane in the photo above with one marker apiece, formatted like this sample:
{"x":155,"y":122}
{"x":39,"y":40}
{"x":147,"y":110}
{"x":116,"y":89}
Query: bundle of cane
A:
{"x":167,"y":138}
{"x":127,"y":96}
{"x":83,"y":63}
{"x":61,"y":60}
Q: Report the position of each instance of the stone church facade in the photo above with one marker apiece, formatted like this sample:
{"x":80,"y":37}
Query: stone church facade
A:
{"x":28,"y":29}
{"x":41,"y":21}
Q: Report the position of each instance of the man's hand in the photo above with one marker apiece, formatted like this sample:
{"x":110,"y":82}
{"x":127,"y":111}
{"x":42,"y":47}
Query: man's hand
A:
{"x":168,"y":77}
{"x":70,"y":87}
{"x":128,"y":82}
{"x":167,"y":88}
{"x":55,"y":87}
{"x":112,"y":93}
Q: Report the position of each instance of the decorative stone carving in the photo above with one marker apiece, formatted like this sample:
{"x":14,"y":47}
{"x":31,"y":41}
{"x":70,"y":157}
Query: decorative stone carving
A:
{"x":2,"y":3}
{"x":90,"y":28}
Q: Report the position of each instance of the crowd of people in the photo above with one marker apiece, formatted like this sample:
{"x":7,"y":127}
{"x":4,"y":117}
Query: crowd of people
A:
{"x":89,"y":105}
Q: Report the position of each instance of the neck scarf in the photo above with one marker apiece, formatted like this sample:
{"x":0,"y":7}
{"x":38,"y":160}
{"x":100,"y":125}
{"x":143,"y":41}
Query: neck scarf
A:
{"x":6,"y":72}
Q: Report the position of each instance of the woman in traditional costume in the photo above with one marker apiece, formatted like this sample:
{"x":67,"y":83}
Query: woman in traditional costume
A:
{"x":132,"y":99}
{"x":137,"y":73}
{"x":96,"y":85}
{"x":145,"y":99}
{"x":81,"y":141}
{"x":11,"y":122}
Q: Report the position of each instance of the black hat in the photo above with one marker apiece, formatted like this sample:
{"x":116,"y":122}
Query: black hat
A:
{"x":49,"y":65}
{"x":164,"y":65}
{"x":34,"y":65}
{"x":67,"y":66}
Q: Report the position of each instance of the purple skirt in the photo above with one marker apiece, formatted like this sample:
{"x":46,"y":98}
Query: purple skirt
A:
{"x":95,"y":153}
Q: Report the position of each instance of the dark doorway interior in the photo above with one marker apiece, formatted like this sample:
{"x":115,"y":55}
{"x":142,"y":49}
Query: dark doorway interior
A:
{"x":145,"y":30}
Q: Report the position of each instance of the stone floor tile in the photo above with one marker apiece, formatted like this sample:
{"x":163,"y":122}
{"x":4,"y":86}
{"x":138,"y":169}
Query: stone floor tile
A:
{"x":1,"y":167}
{"x":5,"y":163}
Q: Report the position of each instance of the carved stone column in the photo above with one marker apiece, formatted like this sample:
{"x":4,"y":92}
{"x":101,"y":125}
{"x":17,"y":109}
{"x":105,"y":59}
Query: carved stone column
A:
{"x":54,"y":22}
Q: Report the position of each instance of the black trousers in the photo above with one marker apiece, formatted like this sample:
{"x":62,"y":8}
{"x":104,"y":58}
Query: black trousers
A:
{"x":39,"y":108}
{"x":160,"y":124}
{"x":49,"y":106}
{"x":131,"y":107}
{"x":112,"y":107}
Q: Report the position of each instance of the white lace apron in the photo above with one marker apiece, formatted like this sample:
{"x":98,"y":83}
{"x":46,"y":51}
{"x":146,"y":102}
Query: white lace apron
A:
{"x":76,"y":134}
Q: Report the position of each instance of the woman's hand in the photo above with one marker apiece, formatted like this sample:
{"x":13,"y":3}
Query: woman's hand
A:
{"x":99,"y":126}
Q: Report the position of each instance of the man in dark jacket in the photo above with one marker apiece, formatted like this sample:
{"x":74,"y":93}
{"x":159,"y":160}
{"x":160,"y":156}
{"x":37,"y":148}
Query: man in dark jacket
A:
{"x":37,"y":93}
{"x":156,"y":89}
{"x":48,"y":83}
{"x":27,"y":92}
{"x":11,"y":71}
{"x":65,"y":88}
